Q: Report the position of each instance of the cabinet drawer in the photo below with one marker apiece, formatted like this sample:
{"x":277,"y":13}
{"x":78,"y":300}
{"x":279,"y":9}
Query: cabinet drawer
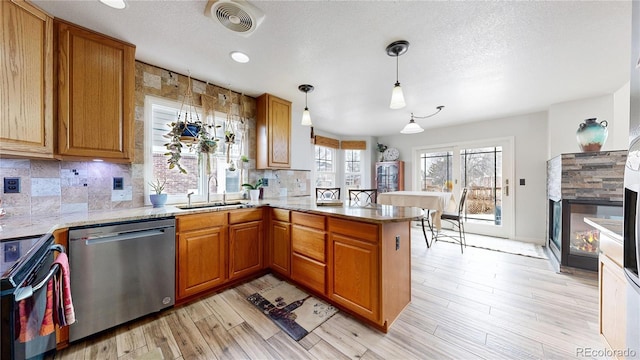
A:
{"x":201,"y":221}
{"x":308,"y":242}
{"x":310,"y":220}
{"x":245,"y":215}
{"x":355,"y":229}
{"x":280,"y":215}
{"x":308,"y":272}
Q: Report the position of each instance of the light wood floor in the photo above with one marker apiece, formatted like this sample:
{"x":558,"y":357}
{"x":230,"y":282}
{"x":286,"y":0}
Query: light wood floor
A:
{"x":482,"y":304}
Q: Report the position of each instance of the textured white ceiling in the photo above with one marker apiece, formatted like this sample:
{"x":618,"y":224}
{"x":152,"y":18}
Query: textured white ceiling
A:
{"x":482,"y":60}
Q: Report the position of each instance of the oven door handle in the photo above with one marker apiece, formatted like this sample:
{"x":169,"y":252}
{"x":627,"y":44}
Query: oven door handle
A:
{"x":27,"y":291}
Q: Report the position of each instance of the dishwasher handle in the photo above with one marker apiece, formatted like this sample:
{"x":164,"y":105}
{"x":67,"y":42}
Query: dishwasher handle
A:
{"x":101,"y":239}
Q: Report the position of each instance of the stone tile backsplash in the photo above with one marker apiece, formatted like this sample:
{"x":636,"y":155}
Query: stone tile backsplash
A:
{"x":50,"y":187}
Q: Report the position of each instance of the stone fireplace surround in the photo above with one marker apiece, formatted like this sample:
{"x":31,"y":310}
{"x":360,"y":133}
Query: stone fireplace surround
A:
{"x":583,"y":179}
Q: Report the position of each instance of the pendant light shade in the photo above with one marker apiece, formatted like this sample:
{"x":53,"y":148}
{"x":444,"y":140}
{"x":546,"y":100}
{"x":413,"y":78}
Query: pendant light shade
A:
{"x":397,"y":97}
{"x":396,"y":49}
{"x":306,"y":116}
{"x":413,"y":127}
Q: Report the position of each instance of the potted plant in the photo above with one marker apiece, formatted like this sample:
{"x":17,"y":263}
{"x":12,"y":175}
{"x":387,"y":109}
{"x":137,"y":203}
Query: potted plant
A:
{"x":254,"y":190}
{"x":158,"y":199}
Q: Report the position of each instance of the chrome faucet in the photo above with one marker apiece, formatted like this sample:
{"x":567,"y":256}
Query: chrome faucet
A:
{"x":209,"y":186}
{"x":189,"y":198}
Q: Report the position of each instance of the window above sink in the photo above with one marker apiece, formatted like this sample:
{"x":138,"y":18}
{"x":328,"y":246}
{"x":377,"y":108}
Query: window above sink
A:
{"x":227,"y":169}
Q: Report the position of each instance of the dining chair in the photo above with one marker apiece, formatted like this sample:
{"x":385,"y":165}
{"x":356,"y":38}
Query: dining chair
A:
{"x":328,"y":193}
{"x":363,"y":196}
{"x":455,"y":219}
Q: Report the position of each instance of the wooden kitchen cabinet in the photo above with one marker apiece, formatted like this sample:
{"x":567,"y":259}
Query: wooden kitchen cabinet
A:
{"x":308,"y":245}
{"x":369,"y":268}
{"x":273,"y":133}
{"x":246,"y":255}
{"x":280,"y":242}
{"x":612,"y":292}
{"x":354,"y":274}
{"x":26,"y":84}
{"x":201,"y":253}
{"x":95,"y":94}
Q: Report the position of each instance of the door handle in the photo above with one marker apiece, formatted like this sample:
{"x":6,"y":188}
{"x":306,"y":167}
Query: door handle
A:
{"x":506,"y":187}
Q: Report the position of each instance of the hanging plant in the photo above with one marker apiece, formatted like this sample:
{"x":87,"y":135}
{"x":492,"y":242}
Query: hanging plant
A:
{"x":189,"y":132}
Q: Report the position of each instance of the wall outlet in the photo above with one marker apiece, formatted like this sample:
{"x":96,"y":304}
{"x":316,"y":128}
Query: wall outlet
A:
{"x":265,"y":182}
{"x":11,"y":185}
{"x":118,"y":183}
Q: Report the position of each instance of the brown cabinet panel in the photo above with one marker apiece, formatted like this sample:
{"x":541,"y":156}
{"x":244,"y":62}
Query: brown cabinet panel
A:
{"x":245,"y":249}
{"x":308,"y":272}
{"x":281,"y":247}
{"x":26,"y":83}
{"x":95,"y":76}
{"x":200,"y":221}
{"x":355,"y":279}
{"x":357,"y":229}
{"x":245,"y":215}
{"x":280,"y":215}
{"x":273,"y":133}
{"x":201,"y":264}
{"x":612,"y":302}
{"x":309,"y":220}
{"x":308,"y":242}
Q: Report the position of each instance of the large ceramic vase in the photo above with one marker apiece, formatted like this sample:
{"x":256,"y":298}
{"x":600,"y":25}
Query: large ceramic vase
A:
{"x":158,"y":200}
{"x":591,"y":134}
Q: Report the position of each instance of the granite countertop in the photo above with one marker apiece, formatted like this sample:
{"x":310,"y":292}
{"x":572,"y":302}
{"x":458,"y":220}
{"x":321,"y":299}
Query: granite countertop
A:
{"x":611,"y":227}
{"x":21,"y":226}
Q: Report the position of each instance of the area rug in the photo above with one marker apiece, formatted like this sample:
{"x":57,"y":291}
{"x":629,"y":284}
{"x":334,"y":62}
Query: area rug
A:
{"x":501,"y":245}
{"x":294,"y":311}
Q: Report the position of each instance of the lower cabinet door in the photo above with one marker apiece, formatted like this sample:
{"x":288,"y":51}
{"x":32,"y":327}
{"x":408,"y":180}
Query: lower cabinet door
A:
{"x":355,"y":279}
{"x":281,"y":247}
{"x":308,"y":272}
{"x":201,"y":263}
{"x":245,"y":249}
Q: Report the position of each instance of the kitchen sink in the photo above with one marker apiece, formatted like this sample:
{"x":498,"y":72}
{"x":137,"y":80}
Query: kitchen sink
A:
{"x":226,"y":205}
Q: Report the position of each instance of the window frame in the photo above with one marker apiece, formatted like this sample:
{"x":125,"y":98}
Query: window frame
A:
{"x":317,"y":172}
{"x":346,"y":167}
{"x":202,"y":181}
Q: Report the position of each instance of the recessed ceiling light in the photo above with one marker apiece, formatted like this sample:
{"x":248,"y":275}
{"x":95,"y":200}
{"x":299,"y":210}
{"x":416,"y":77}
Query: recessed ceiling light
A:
{"x":116,"y":4}
{"x":239,"y":57}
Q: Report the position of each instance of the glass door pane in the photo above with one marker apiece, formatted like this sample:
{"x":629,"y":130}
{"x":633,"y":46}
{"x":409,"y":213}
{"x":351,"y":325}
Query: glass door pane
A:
{"x":436,"y":171}
{"x":481,"y":174}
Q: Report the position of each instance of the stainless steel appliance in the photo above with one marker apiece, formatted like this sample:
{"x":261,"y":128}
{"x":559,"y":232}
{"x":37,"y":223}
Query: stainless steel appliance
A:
{"x":120,"y":271}
{"x":25,"y":264}
{"x":631,"y":190}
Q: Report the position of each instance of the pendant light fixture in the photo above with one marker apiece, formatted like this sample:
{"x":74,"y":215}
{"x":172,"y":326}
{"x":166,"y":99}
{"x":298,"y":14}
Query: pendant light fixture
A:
{"x":396,"y":49}
{"x":306,"y":116}
{"x":413,"y":127}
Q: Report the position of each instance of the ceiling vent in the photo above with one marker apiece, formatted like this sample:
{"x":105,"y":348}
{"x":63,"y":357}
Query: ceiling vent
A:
{"x":236,"y":15}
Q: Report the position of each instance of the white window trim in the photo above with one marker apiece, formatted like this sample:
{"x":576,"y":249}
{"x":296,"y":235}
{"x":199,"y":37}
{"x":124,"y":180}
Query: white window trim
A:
{"x":148,"y":160}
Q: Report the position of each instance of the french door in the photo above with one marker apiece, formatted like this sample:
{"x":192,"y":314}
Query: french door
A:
{"x":485,"y":168}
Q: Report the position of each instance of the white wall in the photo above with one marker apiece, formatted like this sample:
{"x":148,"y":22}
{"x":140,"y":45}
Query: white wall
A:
{"x":565,"y":118}
{"x":530,"y":154}
{"x":301,"y":149}
{"x":621,"y":115}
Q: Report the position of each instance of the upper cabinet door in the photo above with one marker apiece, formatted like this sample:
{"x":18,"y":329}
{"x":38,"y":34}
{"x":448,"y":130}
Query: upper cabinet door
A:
{"x":26,"y":81}
{"x":273,"y":133}
{"x":95,"y":79}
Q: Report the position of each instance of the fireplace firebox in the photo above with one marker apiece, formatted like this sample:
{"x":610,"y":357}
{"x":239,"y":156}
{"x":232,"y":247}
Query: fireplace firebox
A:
{"x":574,"y":243}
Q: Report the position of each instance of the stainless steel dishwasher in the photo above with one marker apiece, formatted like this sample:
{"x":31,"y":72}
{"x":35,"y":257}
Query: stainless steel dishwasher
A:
{"x":119,"y":272}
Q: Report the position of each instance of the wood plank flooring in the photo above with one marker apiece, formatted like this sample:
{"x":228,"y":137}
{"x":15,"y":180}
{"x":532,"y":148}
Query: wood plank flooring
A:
{"x":478,"y":305}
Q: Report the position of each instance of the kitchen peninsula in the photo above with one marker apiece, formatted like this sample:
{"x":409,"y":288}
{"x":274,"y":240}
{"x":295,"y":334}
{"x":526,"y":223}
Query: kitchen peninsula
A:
{"x":356,"y":257}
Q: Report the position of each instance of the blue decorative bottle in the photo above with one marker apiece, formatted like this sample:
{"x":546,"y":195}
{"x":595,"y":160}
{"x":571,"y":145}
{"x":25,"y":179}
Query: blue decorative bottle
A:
{"x":591,"y":135}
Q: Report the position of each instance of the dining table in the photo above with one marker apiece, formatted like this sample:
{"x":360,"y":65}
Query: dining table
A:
{"x":433,"y":202}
